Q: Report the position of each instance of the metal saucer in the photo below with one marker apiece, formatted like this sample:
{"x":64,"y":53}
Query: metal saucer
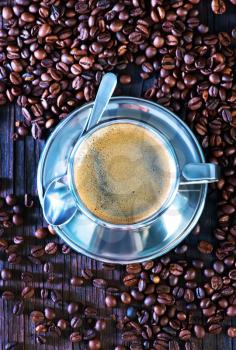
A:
{"x":119,"y":246}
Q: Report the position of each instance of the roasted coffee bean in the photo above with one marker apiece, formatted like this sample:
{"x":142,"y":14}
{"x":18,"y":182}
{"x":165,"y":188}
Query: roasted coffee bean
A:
{"x":125,"y":79}
{"x":76,"y":322}
{"x":6,"y":274}
{"x":18,"y":239}
{"x":8,"y":295}
{"x":75,"y":337}
{"x":99,"y":283}
{"x":89,"y":334}
{"x":130,"y":280}
{"x":231,"y":332}
{"x":100,"y":325}
{"x":94,"y":344}
{"x":231,"y":311}
{"x":11,"y":200}
{"x":72,"y":308}
{"x":76,"y":281}
{"x":40,"y":339}
{"x":65,"y":249}
{"x":27,"y":293}
{"x":131,"y":312}
{"x":185,"y":334}
{"x":51,"y":248}
{"x":87,"y":274}
{"x":215,"y":329}
{"x":37,"y":251}
{"x":205,"y":247}
{"x":199,"y":331}
{"x":125,"y":298}
{"x":17,"y":220}
{"x":173,"y":345}
{"x":90,"y":311}
{"x":18,"y":308}
{"x":41,"y":328}
{"x":110,"y":301}
{"x":41,"y":233}
{"x":49,"y":313}
{"x":37,"y":317}
{"x":218,"y":6}
{"x":62,"y":324}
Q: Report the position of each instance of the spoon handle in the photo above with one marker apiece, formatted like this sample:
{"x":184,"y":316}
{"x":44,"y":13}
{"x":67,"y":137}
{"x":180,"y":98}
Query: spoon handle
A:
{"x":105,"y":91}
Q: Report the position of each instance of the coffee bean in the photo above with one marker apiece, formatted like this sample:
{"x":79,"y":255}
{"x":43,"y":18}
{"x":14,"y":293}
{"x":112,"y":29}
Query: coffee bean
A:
{"x":199,"y":331}
{"x":51,"y":248}
{"x":37,"y":317}
{"x":100,"y":325}
{"x":41,"y":233}
{"x":89,"y":334}
{"x":130,"y":280}
{"x":99,"y":283}
{"x":131,"y":312}
{"x":218,"y":6}
{"x":87,"y":274}
{"x":185,"y":334}
{"x":27,"y":293}
{"x":90,"y":311}
{"x":125,"y":79}
{"x":49,"y":313}
{"x":173,"y":345}
{"x":205,"y":247}
{"x":11,"y":200}
{"x":6,"y":274}
{"x":110,"y":301}
{"x":37,"y":251}
{"x":231,"y":332}
{"x":62,"y":324}
{"x":75,"y":337}
{"x":94,"y":344}
{"x":195,"y":103}
{"x":18,"y":239}
{"x":76,"y":322}
{"x":65,"y":249}
{"x":8,"y":295}
{"x":72,"y":308}
{"x":41,"y":328}
{"x":17,"y":220}
{"x":166,"y":299}
{"x":40,"y":339}
{"x":18,"y":308}
{"x":125,"y":298}
{"x":231,"y":311}
{"x":76,"y":281}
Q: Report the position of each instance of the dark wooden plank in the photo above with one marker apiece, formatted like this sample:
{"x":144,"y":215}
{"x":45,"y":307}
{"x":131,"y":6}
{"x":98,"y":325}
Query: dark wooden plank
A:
{"x":19,"y":163}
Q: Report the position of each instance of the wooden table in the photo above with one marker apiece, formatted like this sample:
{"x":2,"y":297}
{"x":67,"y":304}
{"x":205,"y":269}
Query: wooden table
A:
{"x":18,"y":168}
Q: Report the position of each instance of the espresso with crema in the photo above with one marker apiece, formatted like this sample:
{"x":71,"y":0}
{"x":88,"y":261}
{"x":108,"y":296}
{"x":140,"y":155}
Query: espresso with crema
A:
{"x":122,"y":173}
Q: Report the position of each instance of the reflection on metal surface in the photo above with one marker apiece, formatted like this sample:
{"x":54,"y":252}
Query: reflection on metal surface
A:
{"x":121,"y":246}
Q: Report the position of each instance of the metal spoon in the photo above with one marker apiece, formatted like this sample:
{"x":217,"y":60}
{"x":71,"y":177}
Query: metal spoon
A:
{"x":58,"y":203}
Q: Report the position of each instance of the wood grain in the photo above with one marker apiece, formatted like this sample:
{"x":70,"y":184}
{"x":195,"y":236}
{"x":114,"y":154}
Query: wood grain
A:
{"x":18,"y":167}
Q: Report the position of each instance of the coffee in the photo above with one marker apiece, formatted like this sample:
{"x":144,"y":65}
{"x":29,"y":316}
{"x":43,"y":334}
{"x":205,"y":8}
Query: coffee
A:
{"x":123,"y":173}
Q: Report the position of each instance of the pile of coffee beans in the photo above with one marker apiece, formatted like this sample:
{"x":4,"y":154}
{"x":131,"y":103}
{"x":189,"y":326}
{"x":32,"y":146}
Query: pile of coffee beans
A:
{"x":52,"y":57}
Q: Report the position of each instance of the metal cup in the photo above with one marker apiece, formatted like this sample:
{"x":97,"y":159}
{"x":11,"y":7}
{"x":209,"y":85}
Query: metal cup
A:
{"x":192,"y":173}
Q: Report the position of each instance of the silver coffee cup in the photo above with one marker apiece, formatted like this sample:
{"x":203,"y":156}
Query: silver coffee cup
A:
{"x":191,"y":173}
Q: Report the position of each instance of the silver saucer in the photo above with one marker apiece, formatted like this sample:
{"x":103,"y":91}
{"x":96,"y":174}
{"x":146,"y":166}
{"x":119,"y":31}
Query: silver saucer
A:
{"x":119,"y":246}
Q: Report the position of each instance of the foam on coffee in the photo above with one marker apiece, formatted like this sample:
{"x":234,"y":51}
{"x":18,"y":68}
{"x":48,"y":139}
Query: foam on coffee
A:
{"x":122,"y":173}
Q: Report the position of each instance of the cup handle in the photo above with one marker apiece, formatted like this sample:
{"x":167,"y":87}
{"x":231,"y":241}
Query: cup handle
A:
{"x":200,"y":173}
